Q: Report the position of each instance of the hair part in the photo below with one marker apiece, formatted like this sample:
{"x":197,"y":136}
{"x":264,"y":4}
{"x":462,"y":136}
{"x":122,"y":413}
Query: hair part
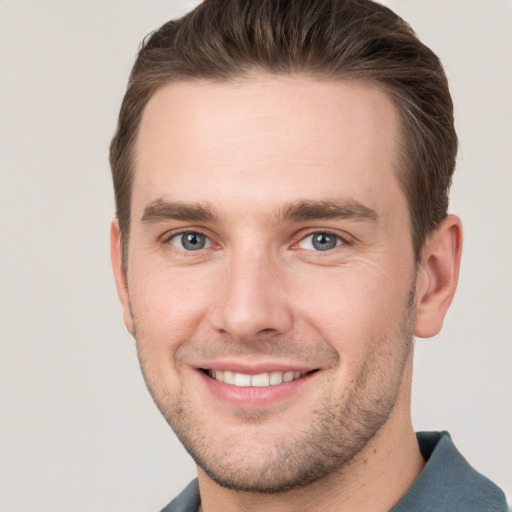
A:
{"x":222,"y":40}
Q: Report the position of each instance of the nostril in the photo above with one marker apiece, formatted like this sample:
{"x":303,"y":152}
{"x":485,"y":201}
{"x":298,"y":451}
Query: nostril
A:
{"x":266,"y":332}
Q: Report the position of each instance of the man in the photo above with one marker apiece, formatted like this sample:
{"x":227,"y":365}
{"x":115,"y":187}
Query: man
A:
{"x":281,"y":172}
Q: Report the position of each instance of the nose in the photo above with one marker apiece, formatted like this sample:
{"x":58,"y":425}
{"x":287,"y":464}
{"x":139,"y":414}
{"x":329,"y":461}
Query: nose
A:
{"x":253,"y":303}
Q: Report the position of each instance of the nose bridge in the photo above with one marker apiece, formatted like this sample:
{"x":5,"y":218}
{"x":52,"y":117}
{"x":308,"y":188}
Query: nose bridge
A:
{"x":254,"y":301}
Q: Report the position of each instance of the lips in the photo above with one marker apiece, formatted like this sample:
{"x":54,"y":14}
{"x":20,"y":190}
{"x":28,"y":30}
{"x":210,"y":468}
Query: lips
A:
{"x":255,"y":386}
{"x":264,"y":379}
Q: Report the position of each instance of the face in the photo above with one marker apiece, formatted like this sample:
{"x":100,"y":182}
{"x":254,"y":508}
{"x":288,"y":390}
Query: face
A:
{"x":270,"y":281}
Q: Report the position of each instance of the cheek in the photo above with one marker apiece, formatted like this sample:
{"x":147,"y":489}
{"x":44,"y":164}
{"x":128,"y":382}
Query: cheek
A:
{"x":353,"y":306}
{"x":166,"y":313}
{"x":167,"y":307}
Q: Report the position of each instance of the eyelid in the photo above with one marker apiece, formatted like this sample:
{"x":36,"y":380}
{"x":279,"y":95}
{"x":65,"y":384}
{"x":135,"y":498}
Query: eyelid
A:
{"x":344,"y":238}
{"x":169,"y":235}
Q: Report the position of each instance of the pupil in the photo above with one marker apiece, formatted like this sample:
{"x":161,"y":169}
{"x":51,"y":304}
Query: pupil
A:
{"x":193,"y":241}
{"x":324,"y":241}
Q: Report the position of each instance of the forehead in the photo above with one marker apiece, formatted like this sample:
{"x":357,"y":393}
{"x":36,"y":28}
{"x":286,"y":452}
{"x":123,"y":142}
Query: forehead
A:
{"x":264,"y":139}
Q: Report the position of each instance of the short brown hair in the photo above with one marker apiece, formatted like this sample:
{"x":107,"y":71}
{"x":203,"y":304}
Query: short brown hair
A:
{"x":336,"y":39}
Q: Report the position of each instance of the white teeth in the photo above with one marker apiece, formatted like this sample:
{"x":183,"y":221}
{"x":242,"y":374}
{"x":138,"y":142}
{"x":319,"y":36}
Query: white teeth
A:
{"x":275,"y":378}
{"x":242,"y":380}
{"x":229,"y":377}
{"x":260,"y":380}
{"x":288,"y":376}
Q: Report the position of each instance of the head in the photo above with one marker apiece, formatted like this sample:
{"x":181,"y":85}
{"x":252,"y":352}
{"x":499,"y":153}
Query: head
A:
{"x":281,"y":173}
{"x":336,"y":39}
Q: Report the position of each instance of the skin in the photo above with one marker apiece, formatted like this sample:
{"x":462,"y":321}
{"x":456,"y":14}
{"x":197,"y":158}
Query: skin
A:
{"x":231,"y":161}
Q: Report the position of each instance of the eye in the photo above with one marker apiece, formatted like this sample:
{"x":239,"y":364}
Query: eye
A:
{"x":320,"y":241}
{"x":190,"y":241}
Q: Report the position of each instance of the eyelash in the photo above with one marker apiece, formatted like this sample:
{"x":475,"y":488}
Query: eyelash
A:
{"x":340,"y":240}
{"x":208,"y":241}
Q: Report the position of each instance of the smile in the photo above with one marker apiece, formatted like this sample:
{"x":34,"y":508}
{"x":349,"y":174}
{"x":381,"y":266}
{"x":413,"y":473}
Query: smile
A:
{"x":261,"y":380}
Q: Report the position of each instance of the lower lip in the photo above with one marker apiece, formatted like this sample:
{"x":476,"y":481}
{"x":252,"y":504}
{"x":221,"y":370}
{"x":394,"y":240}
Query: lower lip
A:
{"x":252,"y":396}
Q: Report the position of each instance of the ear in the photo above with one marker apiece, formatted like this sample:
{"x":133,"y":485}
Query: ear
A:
{"x":438,"y":276}
{"x":120,"y":274}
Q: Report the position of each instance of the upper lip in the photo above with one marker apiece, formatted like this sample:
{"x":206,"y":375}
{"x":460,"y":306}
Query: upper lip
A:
{"x":255,"y":368}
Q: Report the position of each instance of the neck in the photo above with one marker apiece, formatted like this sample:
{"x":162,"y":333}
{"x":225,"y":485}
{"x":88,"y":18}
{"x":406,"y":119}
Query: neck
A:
{"x":375,"y":480}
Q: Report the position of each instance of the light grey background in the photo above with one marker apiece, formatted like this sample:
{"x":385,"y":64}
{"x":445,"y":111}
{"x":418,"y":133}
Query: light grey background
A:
{"x":78,"y":430}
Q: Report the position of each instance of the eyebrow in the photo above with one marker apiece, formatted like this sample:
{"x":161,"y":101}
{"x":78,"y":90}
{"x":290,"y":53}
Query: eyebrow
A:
{"x":306,"y":210}
{"x":298,"y":211}
{"x":161,"y":210}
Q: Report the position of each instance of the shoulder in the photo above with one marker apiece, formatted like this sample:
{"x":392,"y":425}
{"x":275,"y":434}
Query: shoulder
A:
{"x":187,"y":501}
{"x":448,"y":482}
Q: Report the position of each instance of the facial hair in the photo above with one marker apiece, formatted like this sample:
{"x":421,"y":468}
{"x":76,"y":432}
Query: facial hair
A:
{"x":338,"y":427}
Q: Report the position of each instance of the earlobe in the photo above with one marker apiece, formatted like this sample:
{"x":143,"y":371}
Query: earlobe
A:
{"x":120,"y":273}
{"x":438,"y":276}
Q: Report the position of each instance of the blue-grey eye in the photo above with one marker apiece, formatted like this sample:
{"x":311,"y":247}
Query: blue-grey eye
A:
{"x":320,"y":241}
{"x":190,"y":241}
